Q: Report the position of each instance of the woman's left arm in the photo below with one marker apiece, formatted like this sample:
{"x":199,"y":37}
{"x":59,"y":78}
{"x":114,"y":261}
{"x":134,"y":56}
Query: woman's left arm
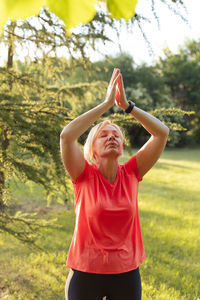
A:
{"x":150,"y":152}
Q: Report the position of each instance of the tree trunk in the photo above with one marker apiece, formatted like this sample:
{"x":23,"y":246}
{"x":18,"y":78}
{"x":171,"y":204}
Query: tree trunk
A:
{"x":11,"y":29}
{"x":2,"y":183}
{"x":4,"y":143}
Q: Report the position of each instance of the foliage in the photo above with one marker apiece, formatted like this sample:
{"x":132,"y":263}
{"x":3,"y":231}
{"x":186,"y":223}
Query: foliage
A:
{"x":78,"y":12}
{"x":25,"y":227}
{"x":144,"y":85}
{"x":46,"y":34}
{"x":72,"y":12}
{"x":38,"y":98}
{"x":75,"y":12}
{"x":29,"y":145}
{"x":181,"y":72}
{"x":36,"y":101}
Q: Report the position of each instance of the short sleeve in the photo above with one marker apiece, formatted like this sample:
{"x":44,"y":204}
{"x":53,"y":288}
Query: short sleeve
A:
{"x":132,"y":167}
{"x":84,"y":174}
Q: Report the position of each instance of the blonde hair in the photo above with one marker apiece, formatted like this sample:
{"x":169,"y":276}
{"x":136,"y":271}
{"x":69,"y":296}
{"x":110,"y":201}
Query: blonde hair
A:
{"x":88,"y":146}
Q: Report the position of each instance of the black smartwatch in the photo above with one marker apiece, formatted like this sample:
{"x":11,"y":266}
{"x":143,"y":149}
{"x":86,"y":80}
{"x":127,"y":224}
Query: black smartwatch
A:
{"x":130,"y":108}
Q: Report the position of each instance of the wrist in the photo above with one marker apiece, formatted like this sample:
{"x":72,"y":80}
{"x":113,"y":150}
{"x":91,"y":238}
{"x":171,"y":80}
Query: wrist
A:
{"x":130,"y":107}
{"x":107,"y":104}
{"x":126,"y":106}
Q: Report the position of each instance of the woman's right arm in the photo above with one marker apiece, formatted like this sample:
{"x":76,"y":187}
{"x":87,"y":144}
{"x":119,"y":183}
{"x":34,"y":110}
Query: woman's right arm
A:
{"x":71,"y":153}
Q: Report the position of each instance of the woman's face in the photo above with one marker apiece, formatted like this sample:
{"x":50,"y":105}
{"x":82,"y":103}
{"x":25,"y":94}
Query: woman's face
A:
{"x":108,"y":143}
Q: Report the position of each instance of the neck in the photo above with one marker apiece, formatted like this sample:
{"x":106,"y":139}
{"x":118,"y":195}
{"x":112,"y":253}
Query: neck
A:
{"x":108,"y":168}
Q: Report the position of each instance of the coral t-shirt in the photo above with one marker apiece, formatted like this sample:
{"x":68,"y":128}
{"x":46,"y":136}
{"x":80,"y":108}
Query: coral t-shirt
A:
{"x":107,"y":236}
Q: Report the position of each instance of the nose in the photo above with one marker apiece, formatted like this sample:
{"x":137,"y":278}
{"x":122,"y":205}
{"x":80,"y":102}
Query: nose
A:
{"x":111,"y":136}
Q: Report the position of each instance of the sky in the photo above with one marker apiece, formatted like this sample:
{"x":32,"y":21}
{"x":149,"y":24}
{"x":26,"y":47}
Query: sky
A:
{"x":172,"y":33}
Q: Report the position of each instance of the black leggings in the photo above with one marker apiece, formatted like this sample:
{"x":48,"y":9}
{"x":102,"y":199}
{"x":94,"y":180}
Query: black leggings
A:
{"x":91,"y":286}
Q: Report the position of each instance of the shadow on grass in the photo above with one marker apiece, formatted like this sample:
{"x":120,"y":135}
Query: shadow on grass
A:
{"x":172,"y":166}
{"x":173,"y":193}
{"x":192,"y":155}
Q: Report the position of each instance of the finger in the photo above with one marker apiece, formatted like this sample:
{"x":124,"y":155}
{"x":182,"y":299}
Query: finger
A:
{"x":114,"y":88}
{"x":121,"y":84}
{"x":117,"y":94}
{"x":117,"y":88}
{"x":115,"y":73}
{"x":118,"y":83}
{"x":116,"y":79}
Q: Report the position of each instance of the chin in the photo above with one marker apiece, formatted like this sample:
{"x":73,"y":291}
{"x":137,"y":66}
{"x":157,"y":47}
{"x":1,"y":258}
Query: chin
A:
{"x":114,"y":152}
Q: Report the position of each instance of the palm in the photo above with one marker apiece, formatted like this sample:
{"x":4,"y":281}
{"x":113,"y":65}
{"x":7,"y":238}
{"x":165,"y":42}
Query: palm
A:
{"x":120,"y":95}
{"x":111,"y":91}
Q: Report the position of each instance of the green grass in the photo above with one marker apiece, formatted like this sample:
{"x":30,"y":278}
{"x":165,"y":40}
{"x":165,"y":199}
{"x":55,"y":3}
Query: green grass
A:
{"x":169,"y":203}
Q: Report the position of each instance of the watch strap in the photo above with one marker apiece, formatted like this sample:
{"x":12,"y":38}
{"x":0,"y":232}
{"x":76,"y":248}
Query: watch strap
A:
{"x":130,"y":108}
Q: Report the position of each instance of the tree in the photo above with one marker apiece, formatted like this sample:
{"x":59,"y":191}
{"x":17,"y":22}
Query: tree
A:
{"x":181,"y":72}
{"x":78,"y":12}
{"x":38,"y":97}
{"x":36,"y":101}
{"x":146,"y":86}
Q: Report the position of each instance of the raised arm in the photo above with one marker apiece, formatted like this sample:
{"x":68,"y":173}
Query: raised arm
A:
{"x":71,"y":153}
{"x":152,"y":149}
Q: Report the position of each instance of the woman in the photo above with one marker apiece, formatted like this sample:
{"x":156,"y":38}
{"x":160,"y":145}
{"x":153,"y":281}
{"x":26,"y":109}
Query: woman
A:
{"x":107,"y":248}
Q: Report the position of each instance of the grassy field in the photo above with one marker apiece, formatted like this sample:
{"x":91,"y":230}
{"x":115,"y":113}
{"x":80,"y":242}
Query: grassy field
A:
{"x":169,"y":203}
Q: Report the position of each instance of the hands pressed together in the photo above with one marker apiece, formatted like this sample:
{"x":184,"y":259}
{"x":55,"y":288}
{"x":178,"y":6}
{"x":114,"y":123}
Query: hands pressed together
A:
{"x":115,"y":92}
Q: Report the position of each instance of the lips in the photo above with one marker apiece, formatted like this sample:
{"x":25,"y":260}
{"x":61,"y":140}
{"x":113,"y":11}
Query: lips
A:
{"x":111,"y":144}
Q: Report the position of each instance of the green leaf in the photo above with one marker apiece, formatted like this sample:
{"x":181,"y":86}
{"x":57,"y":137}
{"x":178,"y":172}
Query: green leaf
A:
{"x":73,"y":12}
{"x":19,"y":9}
{"x":122,"y":8}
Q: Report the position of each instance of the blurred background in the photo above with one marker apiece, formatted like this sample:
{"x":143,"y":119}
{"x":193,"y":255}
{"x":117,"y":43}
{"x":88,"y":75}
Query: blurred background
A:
{"x":47,"y":78}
